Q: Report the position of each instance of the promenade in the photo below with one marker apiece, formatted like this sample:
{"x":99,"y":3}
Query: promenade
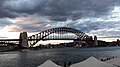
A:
{"x":115,"y":61}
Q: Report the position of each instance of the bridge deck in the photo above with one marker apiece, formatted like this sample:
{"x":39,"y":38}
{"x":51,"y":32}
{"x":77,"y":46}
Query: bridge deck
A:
{"x":9,"y":39}
{"x":38,"y":39}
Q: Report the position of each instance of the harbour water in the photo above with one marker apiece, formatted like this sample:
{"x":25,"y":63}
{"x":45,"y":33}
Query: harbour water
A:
{"x":34,"y":58}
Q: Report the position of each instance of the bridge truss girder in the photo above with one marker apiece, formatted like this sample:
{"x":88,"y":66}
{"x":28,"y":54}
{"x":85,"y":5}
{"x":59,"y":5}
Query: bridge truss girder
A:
{"x":42,"y":35}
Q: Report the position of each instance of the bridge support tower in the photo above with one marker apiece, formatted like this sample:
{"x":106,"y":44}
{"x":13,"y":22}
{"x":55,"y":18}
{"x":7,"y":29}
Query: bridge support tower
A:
{"x":95,"y":41}
{"x":23,"y":40}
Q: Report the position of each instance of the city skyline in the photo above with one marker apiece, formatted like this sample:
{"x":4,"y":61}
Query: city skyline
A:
{"x":93,"y":17}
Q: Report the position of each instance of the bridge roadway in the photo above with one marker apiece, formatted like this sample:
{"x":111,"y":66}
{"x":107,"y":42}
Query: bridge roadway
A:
{"x":52,"y":39}
{"x":39,"y":39}
{"x":9,"y":39}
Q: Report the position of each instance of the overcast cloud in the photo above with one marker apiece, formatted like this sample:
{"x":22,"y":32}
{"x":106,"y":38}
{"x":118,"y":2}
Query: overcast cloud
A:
{"x":94,"y":17}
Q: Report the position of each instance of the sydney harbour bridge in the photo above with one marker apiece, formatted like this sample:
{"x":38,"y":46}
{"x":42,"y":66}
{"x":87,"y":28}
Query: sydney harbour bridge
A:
{"x":49,"y":34}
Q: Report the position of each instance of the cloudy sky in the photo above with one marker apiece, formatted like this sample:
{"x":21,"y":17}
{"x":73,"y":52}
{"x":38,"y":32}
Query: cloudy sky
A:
{"x":94,"y":17}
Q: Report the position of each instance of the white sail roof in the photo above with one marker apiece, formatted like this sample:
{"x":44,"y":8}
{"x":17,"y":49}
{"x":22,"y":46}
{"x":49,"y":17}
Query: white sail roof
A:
{"x":115,"y":61}
{"x":49,"y":63}
{"x":92,"y":62}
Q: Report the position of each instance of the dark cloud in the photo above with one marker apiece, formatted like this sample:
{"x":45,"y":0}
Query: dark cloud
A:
{"x":8,"y":13}
{"x":56,"y":10}
{"x":89,"y":16}
{"x":4,"y":22}
{"x":75,"y":9}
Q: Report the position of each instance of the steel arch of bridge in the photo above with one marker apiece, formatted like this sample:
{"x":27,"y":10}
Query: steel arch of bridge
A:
{"x":41,"y":36}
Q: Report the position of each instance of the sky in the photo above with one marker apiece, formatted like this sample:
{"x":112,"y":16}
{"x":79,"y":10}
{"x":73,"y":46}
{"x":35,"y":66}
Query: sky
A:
{"x":93,"y":17}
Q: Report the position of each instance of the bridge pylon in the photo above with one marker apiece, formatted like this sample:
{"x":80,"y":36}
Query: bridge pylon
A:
{"x":23,"y":40}
{"x":95,"y":41}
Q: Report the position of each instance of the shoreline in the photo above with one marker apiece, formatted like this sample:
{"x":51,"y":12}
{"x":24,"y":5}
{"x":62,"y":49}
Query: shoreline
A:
{"x":35,"y":49}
